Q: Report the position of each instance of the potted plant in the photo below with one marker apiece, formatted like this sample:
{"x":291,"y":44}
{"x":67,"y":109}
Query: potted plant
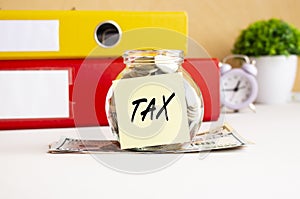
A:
{"x":274,"y":45}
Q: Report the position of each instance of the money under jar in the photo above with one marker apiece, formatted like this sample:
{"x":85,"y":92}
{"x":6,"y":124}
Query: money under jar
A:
{"x":142,"y":63}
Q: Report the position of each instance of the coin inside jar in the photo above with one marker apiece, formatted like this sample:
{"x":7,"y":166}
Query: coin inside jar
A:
{"x":140,"y":63}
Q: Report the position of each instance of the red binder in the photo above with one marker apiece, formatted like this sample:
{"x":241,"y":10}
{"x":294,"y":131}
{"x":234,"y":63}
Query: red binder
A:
{"x":89,"y":81}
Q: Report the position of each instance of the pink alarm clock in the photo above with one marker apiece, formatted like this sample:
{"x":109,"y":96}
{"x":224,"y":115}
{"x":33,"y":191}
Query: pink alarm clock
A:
{"x":238,"y":85}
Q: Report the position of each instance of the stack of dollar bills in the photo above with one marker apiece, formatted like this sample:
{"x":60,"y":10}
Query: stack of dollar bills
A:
{"x":223,"y":137}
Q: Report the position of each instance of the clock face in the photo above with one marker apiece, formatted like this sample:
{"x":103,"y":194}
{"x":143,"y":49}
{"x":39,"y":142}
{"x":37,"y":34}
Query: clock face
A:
{"x":239,"y":89}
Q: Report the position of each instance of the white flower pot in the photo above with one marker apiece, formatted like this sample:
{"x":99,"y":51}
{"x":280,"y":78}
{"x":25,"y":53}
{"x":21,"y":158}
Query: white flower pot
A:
{"x":276,"y":77}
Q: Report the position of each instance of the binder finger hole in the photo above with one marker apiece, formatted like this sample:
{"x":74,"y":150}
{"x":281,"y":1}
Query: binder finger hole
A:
{"x":108,"y":34}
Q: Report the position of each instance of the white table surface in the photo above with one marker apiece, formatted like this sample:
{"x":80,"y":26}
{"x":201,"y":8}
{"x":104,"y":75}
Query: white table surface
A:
{"x":270,"y":168}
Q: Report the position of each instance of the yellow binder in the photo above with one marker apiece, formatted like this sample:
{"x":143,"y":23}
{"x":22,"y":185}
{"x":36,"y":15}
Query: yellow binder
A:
{"x":78,"y":34}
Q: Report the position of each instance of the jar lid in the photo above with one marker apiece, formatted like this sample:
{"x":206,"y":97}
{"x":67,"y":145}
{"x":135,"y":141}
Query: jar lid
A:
{"x":148,"y":56}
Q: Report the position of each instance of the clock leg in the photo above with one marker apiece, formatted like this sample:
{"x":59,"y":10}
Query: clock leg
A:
{"x":252,"y":107}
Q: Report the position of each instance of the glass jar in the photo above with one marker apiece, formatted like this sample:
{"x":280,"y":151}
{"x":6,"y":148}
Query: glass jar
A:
{"x":140,"y":63}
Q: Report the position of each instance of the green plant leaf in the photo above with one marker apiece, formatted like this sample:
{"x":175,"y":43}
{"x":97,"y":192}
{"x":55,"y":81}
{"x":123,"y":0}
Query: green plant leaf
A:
{"x":268,"y":37}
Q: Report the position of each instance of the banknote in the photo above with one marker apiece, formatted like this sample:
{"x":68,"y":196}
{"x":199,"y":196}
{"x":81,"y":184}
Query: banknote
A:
{"x":223,"y":137}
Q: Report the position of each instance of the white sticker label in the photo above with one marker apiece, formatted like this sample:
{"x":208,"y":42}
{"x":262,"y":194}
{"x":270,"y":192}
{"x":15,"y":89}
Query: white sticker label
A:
{"x":151,"y":110}
{"x":34,"y":94}
{"x":29,"y":35}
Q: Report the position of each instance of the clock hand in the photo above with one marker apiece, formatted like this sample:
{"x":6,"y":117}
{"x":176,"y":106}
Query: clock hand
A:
{"x":237,"y":86}
{"x":228,"y":89}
